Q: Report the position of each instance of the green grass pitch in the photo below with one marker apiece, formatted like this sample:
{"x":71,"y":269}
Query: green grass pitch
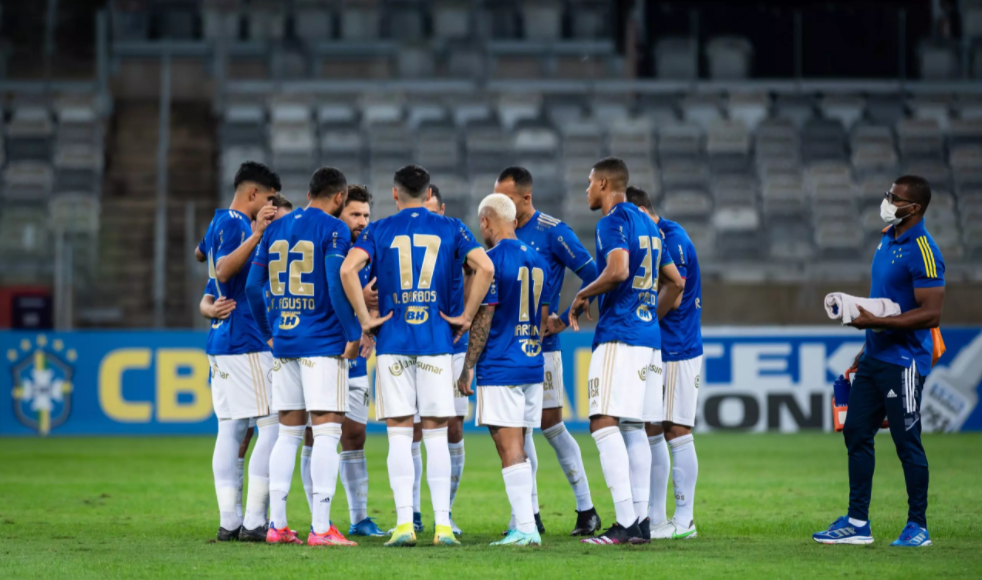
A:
{"x":146,"y":508}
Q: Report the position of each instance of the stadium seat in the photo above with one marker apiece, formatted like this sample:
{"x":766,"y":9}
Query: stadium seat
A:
{"x":75,"y":211}
{"x":729,"y":57}
{"x":965,"y":132}
{"x":415,"y":60}
{"x":584,"y":138}
{"x":681,"y":140}
{"x":313,"y":20}
{"x":936,"y":107}
{"x":360,"y":20}
{"x":920,"y":139}
{"x":686,"y":203}
{"x":27,"y":181}
{"x":29,"y":133}
{"x":677,"y":58}
{"x":542,"y":19}
{"x":266,"y":20}
{"x":885,"y":109}
{"x":727,"y":138}
{"x":631,"y":138}
{"x":798,"y":109}
{"x":220,"y":19}
{"x":938,"y":59}
{"x":847,"y":109}
{"x":749,"y":108}
{"x":379,"y":108}
{"x":513,"y":107}
{"x":702,"y":110}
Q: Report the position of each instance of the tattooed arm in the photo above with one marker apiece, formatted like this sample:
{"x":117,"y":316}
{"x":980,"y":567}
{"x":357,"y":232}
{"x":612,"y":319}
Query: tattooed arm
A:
{"x":480,"y":329}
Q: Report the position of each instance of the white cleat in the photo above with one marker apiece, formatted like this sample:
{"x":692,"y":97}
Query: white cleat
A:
{"x":663,"y":531}
{"x":684,"y":532}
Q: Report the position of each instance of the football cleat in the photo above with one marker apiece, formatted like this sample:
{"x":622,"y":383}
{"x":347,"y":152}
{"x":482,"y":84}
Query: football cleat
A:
{"x":281,"y":536}
{"x":587,"y":523}
{"x":913,"y":536}
{"x":453,"y":526}
{"x":332,"y":537}
{"x":256,"y":535}
{"x":645,"y":527}
{"x":538,"y":524}
{"x":444,"y":536}
{"x":618,"y":534}
{"x":842,"y":532}
{"x":417,"y":522}
{"x":366,"y":527}
{"x":684,"y":532}
{"x":517,"y":538}
{"x":228,"y":535}
{"x":663,"y":531}
{"x":402,"y":535}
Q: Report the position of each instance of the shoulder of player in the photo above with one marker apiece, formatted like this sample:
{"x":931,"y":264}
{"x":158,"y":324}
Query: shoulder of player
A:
{"x":547,"y":222}
{"x":926,"y":243}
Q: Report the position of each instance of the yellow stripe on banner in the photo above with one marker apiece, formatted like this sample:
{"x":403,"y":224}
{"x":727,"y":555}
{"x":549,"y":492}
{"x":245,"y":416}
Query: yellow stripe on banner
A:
{"x":929,"y":266}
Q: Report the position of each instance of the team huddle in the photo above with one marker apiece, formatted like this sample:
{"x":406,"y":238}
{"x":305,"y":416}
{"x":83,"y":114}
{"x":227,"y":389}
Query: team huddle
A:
{"x":299,"y":300}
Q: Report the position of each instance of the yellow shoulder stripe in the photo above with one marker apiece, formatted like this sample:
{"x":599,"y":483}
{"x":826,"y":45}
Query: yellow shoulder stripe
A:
{"x":930,"y":268}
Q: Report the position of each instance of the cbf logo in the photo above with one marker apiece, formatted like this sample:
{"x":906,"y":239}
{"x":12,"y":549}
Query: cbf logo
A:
{"x":42,"y":379}
{"x":643,"y":313}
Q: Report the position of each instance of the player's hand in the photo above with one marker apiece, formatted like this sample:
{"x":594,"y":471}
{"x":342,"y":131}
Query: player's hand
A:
{"x":580,"y":304}
{"x":371,"y":295}
{"x":373,"y":322}
{"x":464,"y":382}
{"x":223,"y":308}
{"x":264,"y":218}
{"x":367,"y":345}
{"x":865,"y":319}
{"x":461,"y":325}
{"x":554,"y":325}
{"x":351,"y":350}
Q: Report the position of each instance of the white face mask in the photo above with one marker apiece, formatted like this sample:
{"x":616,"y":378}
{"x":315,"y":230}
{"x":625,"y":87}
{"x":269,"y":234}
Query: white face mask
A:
{"x":888,"y":213}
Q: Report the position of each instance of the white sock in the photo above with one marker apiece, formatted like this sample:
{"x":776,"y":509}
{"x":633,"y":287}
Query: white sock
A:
{"x":518,"y":486}
{"x":400,"y":465}
{"x":438,"y":473}
{"x":684,"y":476}
{"x":223,"y":465}
{"x":240,"y":471}
{"x":639,"y":453}
{"x":267,"y":430}
{"x":456,"y":467}
{"x":661,"y":466}
{"x":308,"y":483}
{"x":354,"y":476}
{"x":417,"y":473}
{"x":857,"y":523}
{"x":324,"y":462}
{"x":617,"y":473}
{"x":281,"y":464}
{"x":534,"y":465}
{"x":570,"y":459}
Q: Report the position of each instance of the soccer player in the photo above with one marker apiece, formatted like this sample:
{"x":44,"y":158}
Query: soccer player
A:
{"x":414,"y":254}
{"x":681,"y":338}
{"x":625,"y":346}
{"x":561,"y":249}
{"x":355,"y":213}
{"x":507,"y":350}
{"x":240,"y":358}
{"x":890,"y":370}
{"x":455,"y":426}
{"x":300,"y":259}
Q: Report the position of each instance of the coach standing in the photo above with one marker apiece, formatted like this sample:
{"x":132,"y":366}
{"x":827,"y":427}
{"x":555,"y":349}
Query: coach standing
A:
{"x":907,"y":269}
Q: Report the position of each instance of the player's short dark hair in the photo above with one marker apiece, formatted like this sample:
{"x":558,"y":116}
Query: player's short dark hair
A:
{"x":639,"y":197}
{"x":327,"y":181}
{"x":519,"y":175}
{"x":258,"y":173}
{"x":435,"y":191}
{"x":918,"y":190}
{"x":614,"y":169}
{"x":281,"y":201}
{"x":412,"y":180}
{"x":358,"y":193}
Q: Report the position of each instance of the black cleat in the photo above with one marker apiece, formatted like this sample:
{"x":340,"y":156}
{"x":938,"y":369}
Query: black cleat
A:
{"x":228,"y":535}
{"x":538,"y":524}
{"x":618,"y":534}
{"x":256,"y":535}
{"x":645,"y":526}
{"x":587,"y":523}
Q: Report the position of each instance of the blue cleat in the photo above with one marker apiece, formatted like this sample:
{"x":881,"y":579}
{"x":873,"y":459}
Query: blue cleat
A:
{"x":453,"y":526}
{"x":417,"y":522}
{"x":842,"y":532}
{"x":913,"y":536}
{"x":517,"y":538}
{"x":366,"y":527}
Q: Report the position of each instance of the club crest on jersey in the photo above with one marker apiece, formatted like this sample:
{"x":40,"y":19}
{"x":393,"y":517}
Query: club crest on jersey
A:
{"x":643,"y":313}
{"x":417,"y":314}
{"x":289,"y":320}
{"x":42,"y":379}
{"x":531,"y":346}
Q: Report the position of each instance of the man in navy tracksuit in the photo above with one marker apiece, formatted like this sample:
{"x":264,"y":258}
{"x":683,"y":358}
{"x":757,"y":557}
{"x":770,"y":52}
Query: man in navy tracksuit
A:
{"x":907,"y":269}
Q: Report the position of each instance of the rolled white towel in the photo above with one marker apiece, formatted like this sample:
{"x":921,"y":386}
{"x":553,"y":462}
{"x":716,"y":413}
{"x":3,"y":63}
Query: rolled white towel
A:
{"x":843,"y":307}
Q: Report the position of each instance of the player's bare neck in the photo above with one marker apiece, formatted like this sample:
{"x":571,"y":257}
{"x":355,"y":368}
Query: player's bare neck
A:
{"x":612,"y":199}
{"x":501,"y":232}
{"x":326,"y":206}
{"x":525,"y":217}
{"x":905,"y":225}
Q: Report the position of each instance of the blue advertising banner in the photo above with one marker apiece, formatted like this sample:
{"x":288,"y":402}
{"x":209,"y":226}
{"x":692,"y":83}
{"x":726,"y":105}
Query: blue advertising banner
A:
{"x":753,"y":379}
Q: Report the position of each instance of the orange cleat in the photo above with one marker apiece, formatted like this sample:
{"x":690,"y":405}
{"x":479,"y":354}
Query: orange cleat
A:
{"x":332,"y":537}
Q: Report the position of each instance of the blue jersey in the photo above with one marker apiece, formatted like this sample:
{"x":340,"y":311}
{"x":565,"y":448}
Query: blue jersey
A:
{"x":559,"y":249}
{"x":295,"y":250}
{"x":414,"y":254}
{"x":627,"y":313}
{"x":358,"y":367}
{"x":460,"y":347}
{"x":681,"y":329}
{"x":211,"y":344}
{"x":901,"y":265}
{"x":513,"y":354}
{"x":237,"y":334}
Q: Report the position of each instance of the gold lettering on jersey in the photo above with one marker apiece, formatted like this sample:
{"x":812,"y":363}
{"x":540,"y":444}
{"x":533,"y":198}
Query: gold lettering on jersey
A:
{"x":414,"y":297}
{"x":289,"y":320}
{"x":417,"y":314}
{"x":526,"y":329}
{"x":291,"y":303}
{"x":547,"y":383}
{"x":648,"y":298}
{"x":215,"y":372}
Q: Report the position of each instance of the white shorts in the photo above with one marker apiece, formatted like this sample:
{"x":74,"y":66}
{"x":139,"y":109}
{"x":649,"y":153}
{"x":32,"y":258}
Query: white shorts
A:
{"x":460,"y":402}
{"x":314,"y":383}
{"x":654,"y":389}
{"x":405,"y":385}
{"x":518,"y":406}
{"x":241,"y":385}
{"x":617,"y":382}
{"x":553,"y":393}
{"x":358,"y":400}
{"x":682,"y":390}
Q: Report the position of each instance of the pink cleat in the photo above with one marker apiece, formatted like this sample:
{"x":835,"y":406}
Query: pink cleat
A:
{"x":332,"y":537}
{"x":282,"y":536}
